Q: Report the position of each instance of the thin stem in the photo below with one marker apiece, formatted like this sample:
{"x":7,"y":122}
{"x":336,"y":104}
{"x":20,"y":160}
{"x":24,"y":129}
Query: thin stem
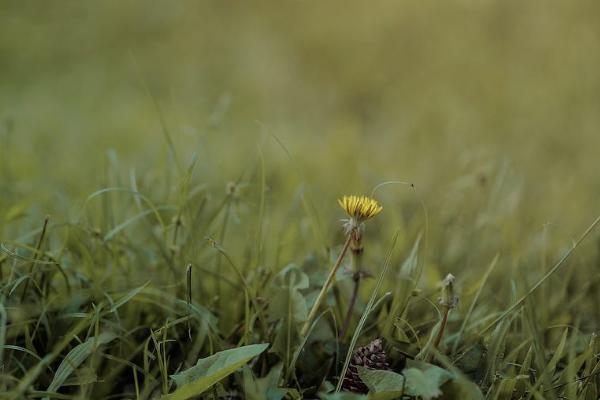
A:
{"x":189,"y":297}
{"x":326,"y":285}
{"x":357,"y":251}
{"x":351,"y":305}
{"x":221,"y":241}
{"x":440,"y":332}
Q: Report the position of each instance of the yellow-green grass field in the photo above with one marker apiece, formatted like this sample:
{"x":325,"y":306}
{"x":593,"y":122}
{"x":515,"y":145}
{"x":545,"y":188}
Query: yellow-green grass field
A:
{"x":169,"y":184}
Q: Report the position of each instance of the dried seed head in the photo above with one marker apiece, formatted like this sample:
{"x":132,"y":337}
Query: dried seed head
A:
{"x":370,"y":356}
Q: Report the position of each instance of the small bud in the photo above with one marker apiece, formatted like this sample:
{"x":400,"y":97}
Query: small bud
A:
{"x":448,"y":299}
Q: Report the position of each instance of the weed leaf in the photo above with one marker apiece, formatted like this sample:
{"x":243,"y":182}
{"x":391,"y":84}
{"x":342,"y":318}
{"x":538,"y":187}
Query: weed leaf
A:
{"x":424,"y":380}
{"x":382,"y":384}
{"x":211,"y":370}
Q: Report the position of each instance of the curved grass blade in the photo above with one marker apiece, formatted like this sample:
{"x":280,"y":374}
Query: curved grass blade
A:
{"x":77,"y":356}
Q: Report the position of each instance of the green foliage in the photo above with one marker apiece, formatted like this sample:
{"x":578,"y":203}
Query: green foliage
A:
{"x":425,"y":380}
{"x":208,"y":371}
{"x":382,"y":384}
{"x":288,"y":308}
{"x":265,"y":388}
{"x":460,"y":388}
{"x":77,"y":356}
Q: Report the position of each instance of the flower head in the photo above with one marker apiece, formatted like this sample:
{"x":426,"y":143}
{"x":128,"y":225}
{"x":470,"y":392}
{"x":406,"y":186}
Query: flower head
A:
{"x":360,"y":208}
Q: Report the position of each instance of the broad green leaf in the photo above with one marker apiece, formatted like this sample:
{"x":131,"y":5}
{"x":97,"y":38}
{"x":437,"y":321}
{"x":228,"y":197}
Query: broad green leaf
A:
{"x":424,"y":380}
{"x":382,"y":384}
{"x":275,"y":393}
{"x":208,"y":371}
{"x":461,"y":388}
{"x":77,"y":356}
{"x":473,"y":361}
{"x":264,"y":388}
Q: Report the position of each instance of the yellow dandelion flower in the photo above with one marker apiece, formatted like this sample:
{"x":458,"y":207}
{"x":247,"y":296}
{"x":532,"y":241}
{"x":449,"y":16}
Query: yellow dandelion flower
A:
{"x":360,"y":208}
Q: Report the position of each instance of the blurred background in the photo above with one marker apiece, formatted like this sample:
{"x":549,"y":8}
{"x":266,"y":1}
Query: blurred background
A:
{"x":243,"y":122}
{"x":491,"y":108}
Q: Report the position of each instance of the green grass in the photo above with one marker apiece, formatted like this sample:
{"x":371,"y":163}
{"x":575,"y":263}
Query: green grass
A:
{"x":168,"y":198}
{"x":151,"y":282}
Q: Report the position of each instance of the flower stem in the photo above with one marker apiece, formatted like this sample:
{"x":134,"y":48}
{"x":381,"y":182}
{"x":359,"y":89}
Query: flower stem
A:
{"x":348,"y":317}
{"x":440,"y":332}
{"x":326,"y":285}
{"x":357,"y":251}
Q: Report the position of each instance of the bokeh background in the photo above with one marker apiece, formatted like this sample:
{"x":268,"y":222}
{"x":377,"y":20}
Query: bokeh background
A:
{"x":491,"y":108}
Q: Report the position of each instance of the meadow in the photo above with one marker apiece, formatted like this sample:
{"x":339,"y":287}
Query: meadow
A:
{"x":174,"y":219}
